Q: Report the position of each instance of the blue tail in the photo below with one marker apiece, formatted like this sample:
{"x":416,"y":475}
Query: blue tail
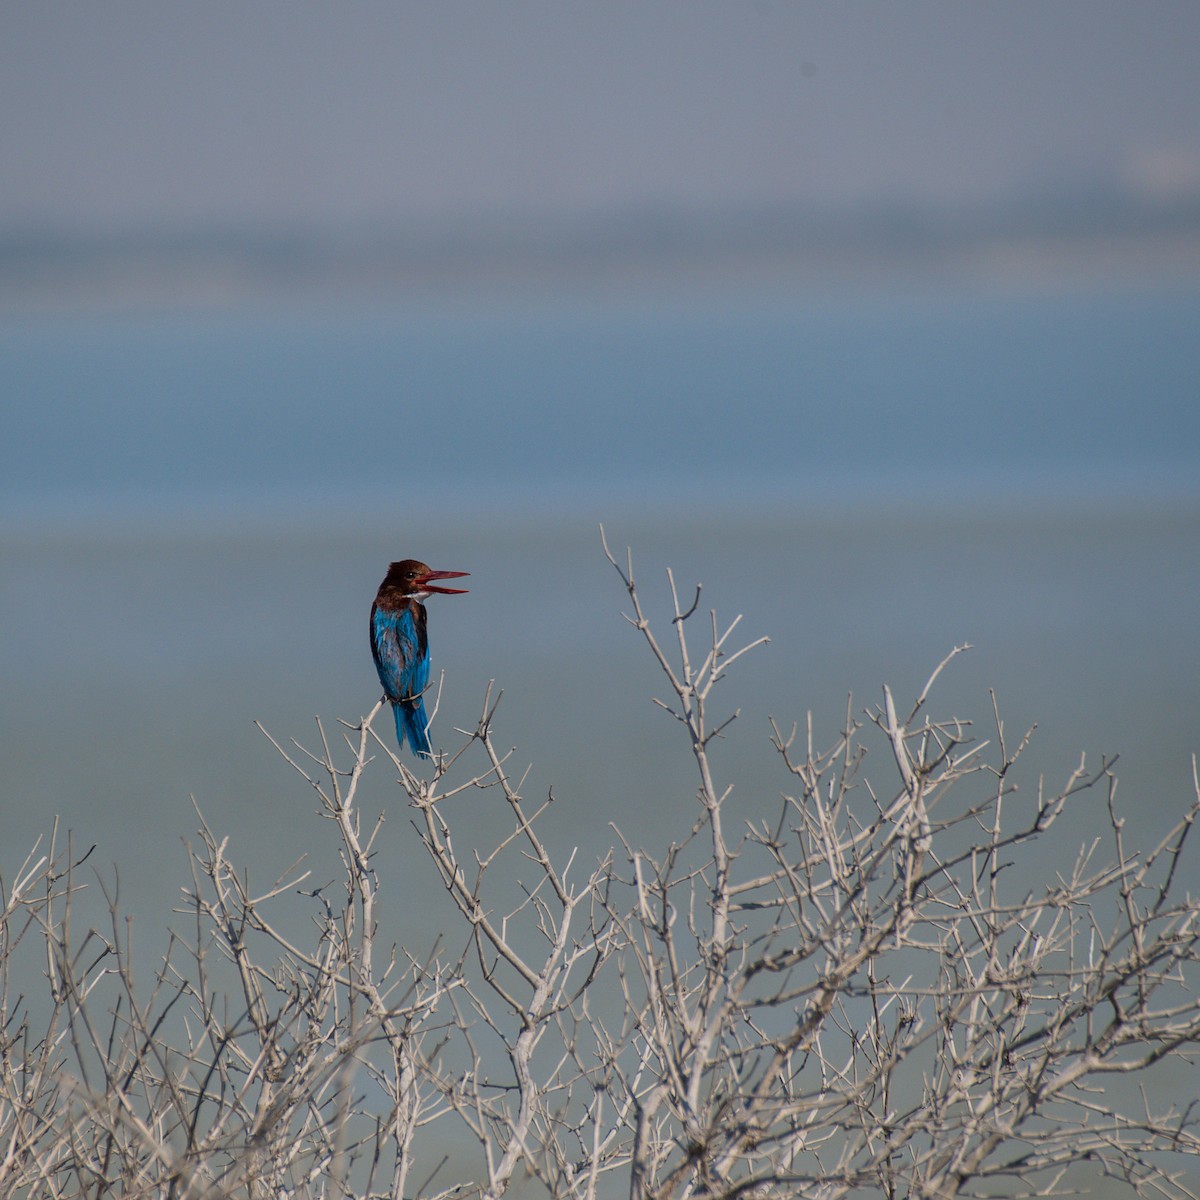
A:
{"x":411,"y":723}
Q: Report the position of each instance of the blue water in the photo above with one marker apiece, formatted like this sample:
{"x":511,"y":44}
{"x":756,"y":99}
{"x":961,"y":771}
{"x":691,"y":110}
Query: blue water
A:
{"x":195,"y":510}
{"x":708,"y":400}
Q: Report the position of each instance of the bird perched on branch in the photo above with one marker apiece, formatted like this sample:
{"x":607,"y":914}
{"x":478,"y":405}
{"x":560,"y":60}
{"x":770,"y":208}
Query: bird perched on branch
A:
{"x":400,"y":645}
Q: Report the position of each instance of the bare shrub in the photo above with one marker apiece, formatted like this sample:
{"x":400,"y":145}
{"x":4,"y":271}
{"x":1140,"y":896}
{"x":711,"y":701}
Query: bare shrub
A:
{"x":868,"y":994}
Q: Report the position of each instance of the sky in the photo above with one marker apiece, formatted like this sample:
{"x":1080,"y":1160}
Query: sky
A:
{"x":136,"y":113}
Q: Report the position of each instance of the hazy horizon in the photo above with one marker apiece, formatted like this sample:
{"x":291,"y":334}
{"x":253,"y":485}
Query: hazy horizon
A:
{"x":139,"y":114}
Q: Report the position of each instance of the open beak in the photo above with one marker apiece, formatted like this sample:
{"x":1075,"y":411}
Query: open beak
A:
{"x":426,"y":586}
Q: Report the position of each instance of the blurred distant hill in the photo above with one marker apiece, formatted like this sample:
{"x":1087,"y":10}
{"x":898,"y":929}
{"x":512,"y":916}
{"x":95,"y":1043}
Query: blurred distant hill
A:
{"x":1074,"y":237}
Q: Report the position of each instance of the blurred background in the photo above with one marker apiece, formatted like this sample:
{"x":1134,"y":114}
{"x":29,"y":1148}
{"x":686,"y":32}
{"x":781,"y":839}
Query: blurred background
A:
{"x":880,"y":321}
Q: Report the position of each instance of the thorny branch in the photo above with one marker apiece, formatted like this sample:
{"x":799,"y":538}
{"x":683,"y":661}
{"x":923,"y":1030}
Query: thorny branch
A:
{"x":871,"y":989}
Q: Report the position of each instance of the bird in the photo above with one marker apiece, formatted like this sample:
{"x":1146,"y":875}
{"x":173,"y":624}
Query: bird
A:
{"x":400,"y":645}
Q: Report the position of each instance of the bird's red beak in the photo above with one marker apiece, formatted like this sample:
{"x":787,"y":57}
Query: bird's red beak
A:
{"x":426,"y":586}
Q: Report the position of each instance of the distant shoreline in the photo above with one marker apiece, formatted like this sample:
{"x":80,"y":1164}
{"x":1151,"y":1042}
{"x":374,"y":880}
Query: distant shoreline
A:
{"x":1061,"y":243}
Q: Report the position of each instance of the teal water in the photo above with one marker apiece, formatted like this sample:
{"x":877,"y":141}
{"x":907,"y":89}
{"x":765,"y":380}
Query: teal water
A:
{"x":137,"y":666}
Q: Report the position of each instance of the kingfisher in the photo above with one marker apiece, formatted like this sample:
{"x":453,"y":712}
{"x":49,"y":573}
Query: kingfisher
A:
{"x":400,"y":645}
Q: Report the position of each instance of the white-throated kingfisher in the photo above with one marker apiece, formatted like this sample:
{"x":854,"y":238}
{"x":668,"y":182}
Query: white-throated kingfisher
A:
{"x":400,"y":645}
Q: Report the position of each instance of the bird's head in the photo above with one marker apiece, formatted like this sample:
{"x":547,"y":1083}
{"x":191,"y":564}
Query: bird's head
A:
{"x":415,"y":579}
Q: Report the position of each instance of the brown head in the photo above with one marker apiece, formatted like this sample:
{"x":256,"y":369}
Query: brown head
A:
{"x":414,"y":579}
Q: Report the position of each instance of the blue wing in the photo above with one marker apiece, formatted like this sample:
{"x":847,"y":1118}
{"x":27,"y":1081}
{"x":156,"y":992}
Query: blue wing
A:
{"x":401,"y":652}
{"x":400,"y":648}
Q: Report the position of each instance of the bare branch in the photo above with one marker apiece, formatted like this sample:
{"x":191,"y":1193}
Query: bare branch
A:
{"x":870,"y":990}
